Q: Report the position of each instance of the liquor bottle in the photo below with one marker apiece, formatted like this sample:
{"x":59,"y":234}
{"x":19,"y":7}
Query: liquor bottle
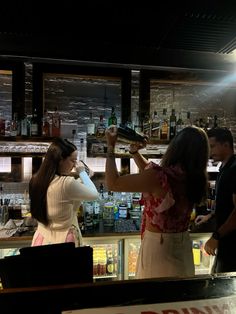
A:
{"x":96,"y":213}
{"x":108,"y":211}
{"x":215,"y":123}
{"x":91,"y":125}
{"x":155,"y":125}
{"x":25,"y":126}
{"x":56,"y":123}
{"x":46,"y":124}
{"x":188,"y":120}
{"x":147,"y":126}
{"x":82,"y":150}
{"x":88,"y":215}
{"x":179,"y":123}
{"x":123,"y":206}
{"x":164,"y":126}
{"x":110,"y":261}
{"x":112,"y":119}
{"x":34,"y":124}
{"x":137,"y":125}
{"x":172,"y":124}
{"x":101,"y":127}
{"x":14,"y":125}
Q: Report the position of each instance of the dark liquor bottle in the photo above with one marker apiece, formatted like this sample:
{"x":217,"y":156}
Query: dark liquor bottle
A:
{"x":215,"y":123}
{"x":172,"y":124}
{"x":179,"y":124}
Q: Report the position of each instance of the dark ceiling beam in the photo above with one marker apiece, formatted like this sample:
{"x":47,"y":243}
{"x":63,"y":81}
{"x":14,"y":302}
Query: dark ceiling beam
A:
{"x":73,"y":50}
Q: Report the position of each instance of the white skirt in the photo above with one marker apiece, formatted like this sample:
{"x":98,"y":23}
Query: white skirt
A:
{"x":165,"y":255}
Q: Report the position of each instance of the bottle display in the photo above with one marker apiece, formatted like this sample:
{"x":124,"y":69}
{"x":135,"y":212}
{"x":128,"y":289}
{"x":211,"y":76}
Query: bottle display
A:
{"x":105,"y":261}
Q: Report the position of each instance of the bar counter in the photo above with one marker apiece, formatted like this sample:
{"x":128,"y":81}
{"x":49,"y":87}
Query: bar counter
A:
{"x":205,"y":294}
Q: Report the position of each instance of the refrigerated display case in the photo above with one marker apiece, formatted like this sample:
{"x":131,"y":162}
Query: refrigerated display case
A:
{"x":107,"y":257}
{"x":108,"y":253}
{"x":202,"y":261}
{"x":115,"y":255}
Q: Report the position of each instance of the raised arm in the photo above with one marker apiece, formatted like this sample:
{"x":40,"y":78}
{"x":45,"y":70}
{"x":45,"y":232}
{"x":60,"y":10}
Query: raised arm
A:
{"x":146,"y":181}
{"x":139,"y":159}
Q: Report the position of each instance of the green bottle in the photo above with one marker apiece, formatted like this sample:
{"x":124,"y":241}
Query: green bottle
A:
{"x":112,"y":120}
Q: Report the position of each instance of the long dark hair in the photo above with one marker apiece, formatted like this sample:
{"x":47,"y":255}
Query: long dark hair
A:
{"x":189,"y":149}
{"x":38,"y":185}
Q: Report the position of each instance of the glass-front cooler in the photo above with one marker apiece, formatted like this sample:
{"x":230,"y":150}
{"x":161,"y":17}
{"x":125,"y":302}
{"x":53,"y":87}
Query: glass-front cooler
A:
{"x":202,"y":261}
{"x":107,"y":257}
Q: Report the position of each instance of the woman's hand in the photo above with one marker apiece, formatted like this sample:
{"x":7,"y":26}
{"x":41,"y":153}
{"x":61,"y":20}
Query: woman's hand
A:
{"x":134,"y":147}
{"x":111,"y":135}
{"x":200,"y":219}
{"x":79,"y":167}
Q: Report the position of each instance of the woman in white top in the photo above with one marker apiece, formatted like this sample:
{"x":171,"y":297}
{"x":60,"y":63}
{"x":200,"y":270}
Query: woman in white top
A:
{"x":56,"y":191}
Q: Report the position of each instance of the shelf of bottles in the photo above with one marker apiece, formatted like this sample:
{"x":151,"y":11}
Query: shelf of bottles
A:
{"x":23,"y":149}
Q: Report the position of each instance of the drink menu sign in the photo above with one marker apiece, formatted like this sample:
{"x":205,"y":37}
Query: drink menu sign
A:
{"x":224,"y":305}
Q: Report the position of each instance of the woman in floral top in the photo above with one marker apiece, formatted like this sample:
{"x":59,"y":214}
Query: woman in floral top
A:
{"x":170,"y":191}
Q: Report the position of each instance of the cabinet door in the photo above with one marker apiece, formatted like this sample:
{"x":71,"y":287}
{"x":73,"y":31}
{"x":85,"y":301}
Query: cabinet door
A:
{"x":132,"y":246}
{"x":202,"y":261}
{"x":107,"y":258}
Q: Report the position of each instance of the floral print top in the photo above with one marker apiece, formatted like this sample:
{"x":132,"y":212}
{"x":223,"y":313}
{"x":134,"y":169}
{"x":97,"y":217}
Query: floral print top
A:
{"x":167,"y":214}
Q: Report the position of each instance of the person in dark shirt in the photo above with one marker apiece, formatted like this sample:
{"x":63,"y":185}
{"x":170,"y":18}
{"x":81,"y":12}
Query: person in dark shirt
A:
{"x":221,"y":244}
